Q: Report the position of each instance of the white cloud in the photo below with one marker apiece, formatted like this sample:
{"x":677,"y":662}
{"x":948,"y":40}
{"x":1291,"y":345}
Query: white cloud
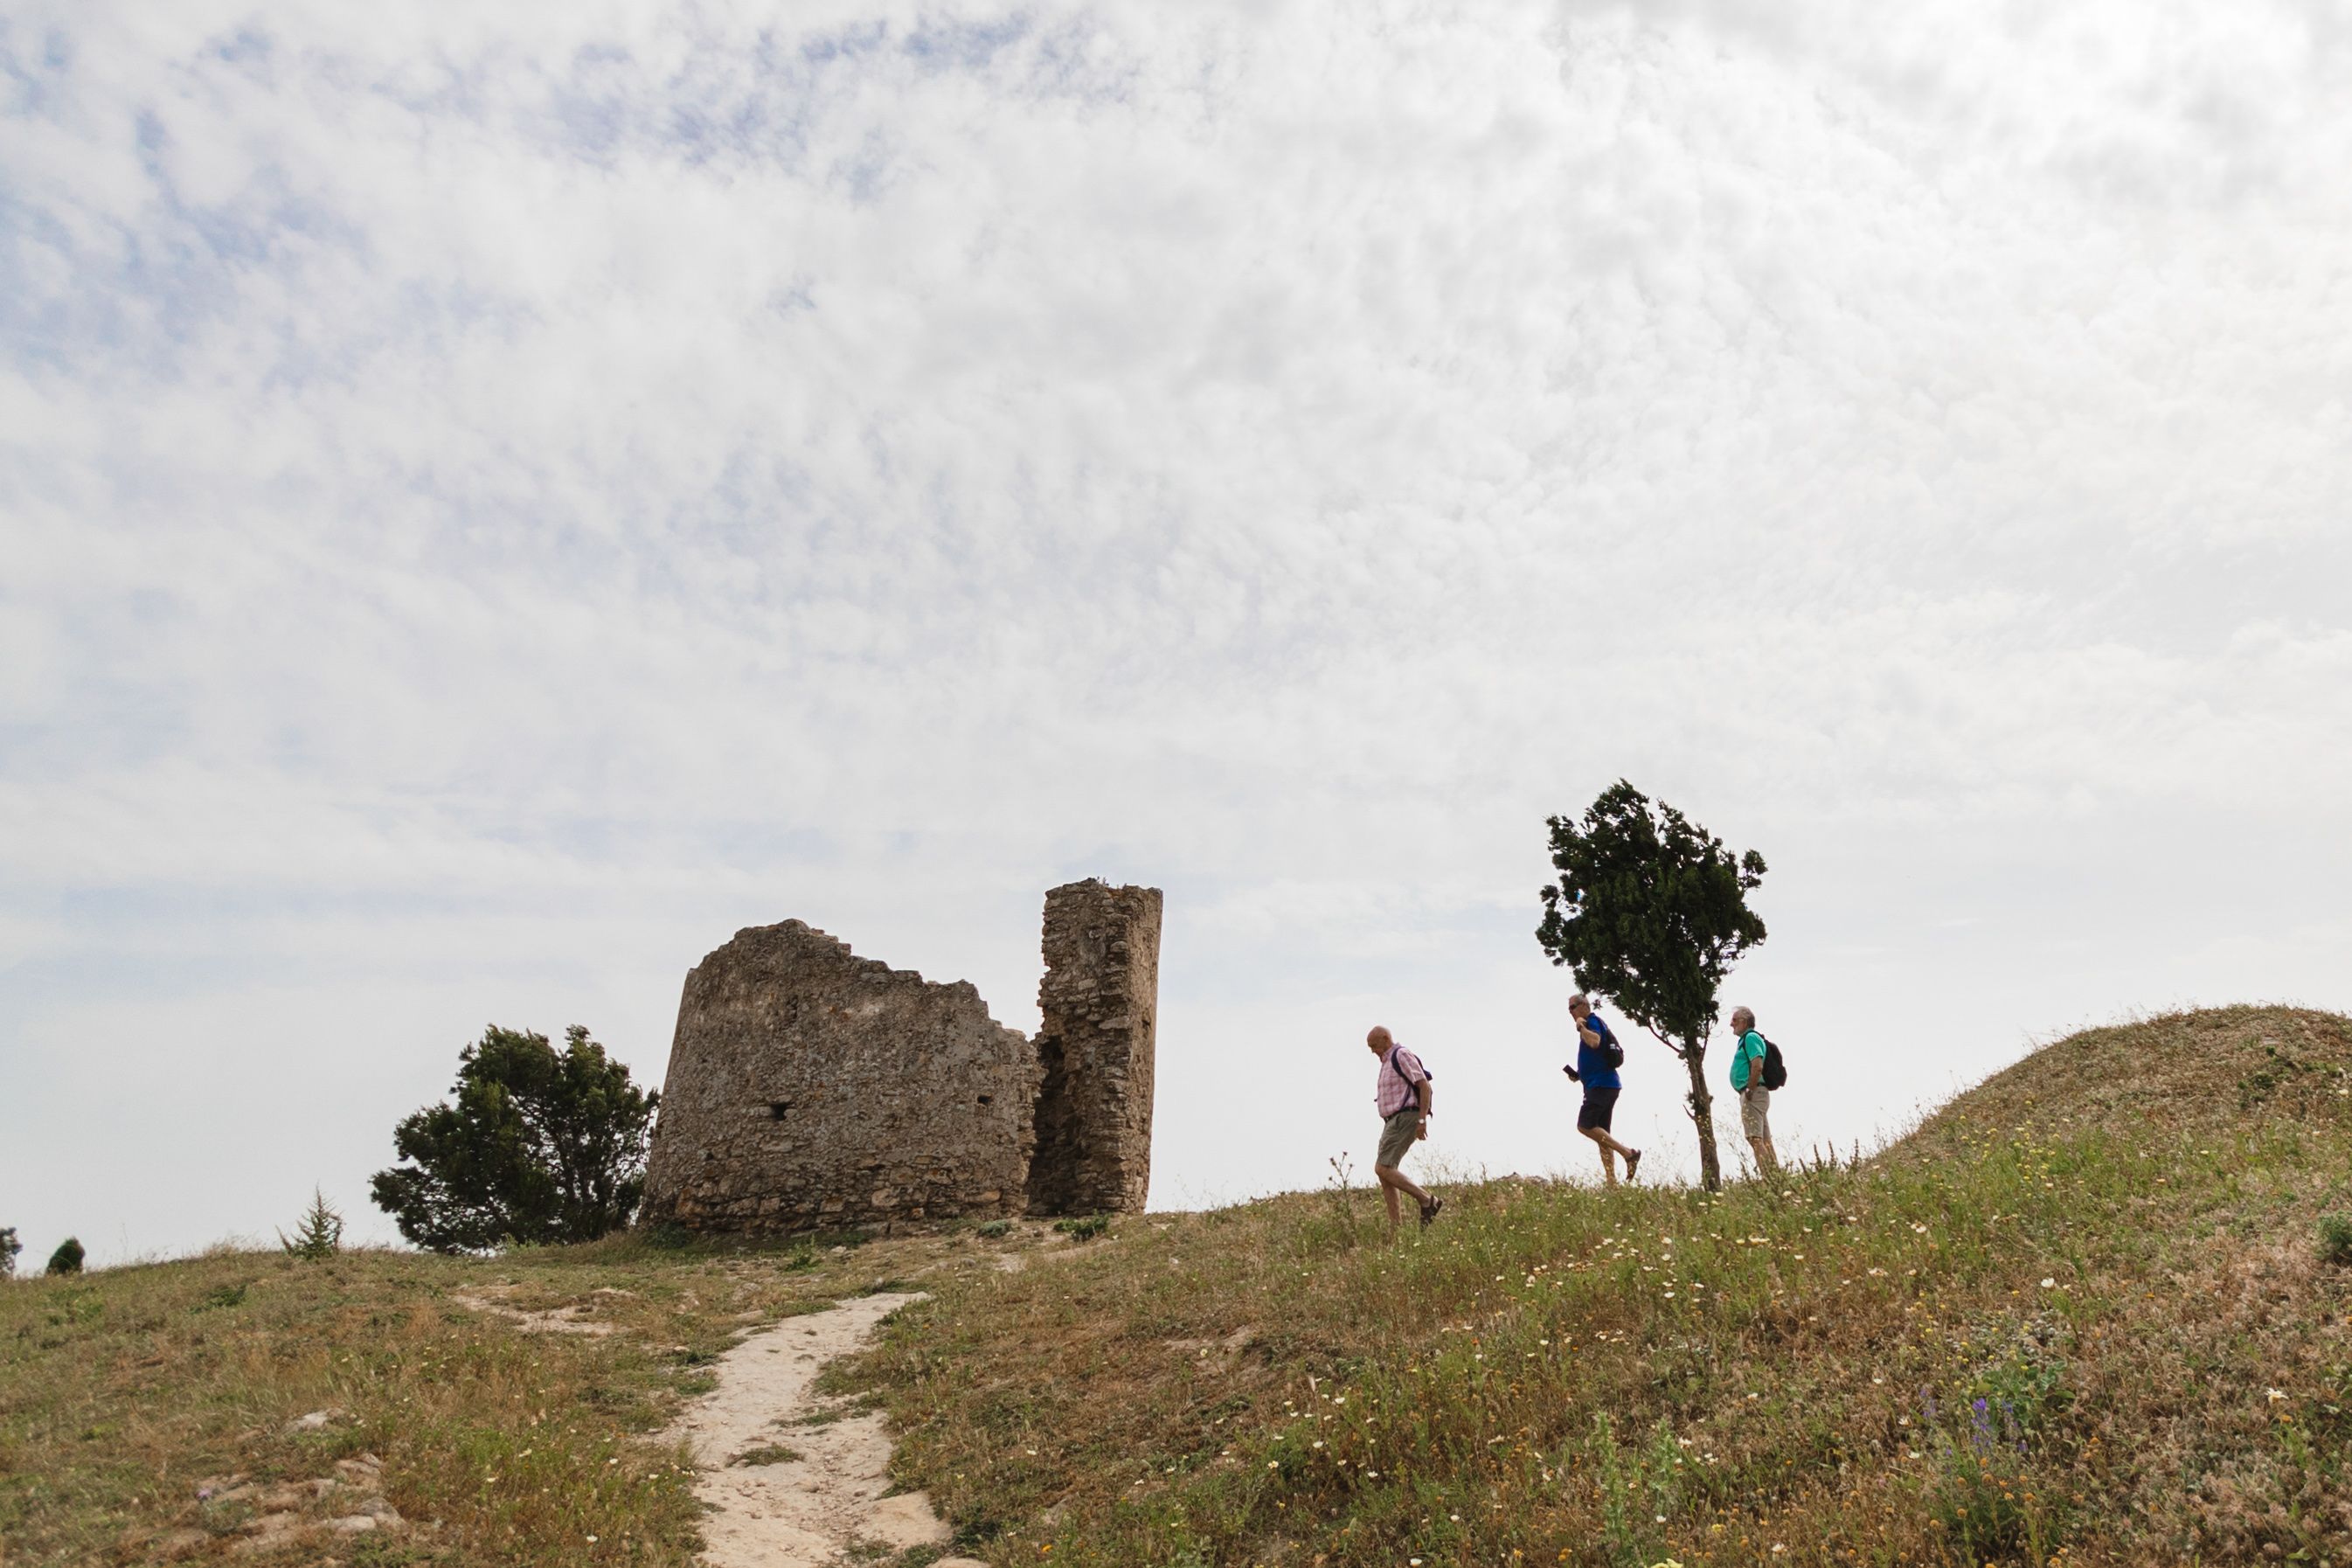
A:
{"x":496,"y":492}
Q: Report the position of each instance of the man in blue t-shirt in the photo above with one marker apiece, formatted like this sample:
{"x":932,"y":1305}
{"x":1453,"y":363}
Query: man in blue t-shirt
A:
{"x":1595,"y":1042}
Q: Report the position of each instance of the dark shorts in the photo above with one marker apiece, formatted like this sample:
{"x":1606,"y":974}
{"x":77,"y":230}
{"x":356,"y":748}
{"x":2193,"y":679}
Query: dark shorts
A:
{"x":1599,"y":1105}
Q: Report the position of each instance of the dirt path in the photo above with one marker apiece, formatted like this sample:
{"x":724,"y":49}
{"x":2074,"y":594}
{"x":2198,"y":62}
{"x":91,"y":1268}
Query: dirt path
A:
{"x":810,"y":1494}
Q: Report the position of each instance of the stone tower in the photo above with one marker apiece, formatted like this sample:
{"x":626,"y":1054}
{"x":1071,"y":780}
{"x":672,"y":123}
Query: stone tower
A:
{"x":1095,"y":1050}
{"x":809,"y":1087}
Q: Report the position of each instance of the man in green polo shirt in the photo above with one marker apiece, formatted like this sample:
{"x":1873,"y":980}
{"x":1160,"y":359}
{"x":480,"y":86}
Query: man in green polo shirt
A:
{"x":1755,"y":1099}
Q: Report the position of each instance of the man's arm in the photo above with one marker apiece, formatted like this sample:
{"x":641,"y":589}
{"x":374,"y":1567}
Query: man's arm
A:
{"x":1589,"y":1036}
{"x":1428,"y":1098}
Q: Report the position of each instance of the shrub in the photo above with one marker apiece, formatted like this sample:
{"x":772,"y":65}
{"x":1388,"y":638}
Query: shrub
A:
{"x":67,"y":1259}
{"x":318,"y":1234}
{"x":541,"y":1146}
{"x":1085,"y":1229}
{"x":992,"y":1228}
{"x":2335,"y":1240}
{"x":9,"y":1248}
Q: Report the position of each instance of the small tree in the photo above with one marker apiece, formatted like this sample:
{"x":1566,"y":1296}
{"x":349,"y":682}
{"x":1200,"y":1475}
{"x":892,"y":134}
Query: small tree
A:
{"x":67,"y":1259}
{"x":1651,"y":910}
{"x":541,"y":1145}
{"x":318,"y":1234}
{"x":9,"y":1248}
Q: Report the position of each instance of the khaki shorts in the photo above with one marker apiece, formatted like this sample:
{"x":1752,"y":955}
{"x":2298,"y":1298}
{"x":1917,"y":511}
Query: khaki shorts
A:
{"x":1398,"y":1135}
{"x":1755,"y":1102}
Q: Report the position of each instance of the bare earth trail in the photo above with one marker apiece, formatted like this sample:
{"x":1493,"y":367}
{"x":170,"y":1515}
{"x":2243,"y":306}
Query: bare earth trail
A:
{"x":810,"y":1510}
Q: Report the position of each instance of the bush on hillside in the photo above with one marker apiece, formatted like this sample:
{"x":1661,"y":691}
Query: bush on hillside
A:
{"x":318,"y":1234}
{"x":67,"y":1259}
{"x":541,"y":1146}
{"x":9,"y":1248}
{"x":1651,"y":910}
{"x":2335,"y":1240}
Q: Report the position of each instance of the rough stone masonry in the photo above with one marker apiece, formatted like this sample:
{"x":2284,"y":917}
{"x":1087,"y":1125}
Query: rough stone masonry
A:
{"x":809,"y":1087}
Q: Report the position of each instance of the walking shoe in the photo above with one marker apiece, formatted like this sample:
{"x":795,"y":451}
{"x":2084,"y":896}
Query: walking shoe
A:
{"x":1429,"y":1211}
{"x":1633,"y":1163}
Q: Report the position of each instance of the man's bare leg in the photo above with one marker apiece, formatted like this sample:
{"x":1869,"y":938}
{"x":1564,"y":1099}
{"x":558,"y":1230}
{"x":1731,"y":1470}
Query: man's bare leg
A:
{"x":1393,"y":1182}
{"x":1610,"y":1149}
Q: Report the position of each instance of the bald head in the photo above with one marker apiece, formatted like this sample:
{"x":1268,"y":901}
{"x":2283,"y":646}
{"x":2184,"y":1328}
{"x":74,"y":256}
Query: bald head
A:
{"x":1379,"y":1039}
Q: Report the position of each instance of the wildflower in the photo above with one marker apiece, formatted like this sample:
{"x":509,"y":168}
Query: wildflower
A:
{"x":2049,"y":1284}
{"x":2274,"y":1395}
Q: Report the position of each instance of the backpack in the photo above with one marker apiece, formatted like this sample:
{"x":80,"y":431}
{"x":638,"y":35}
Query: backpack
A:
{"x":1611,"y":1051}
{"x":1776,"y":1071}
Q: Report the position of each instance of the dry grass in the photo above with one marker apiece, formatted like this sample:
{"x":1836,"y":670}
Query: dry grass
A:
{"x":2114,"y":1246}
{"x":124,"y":1391}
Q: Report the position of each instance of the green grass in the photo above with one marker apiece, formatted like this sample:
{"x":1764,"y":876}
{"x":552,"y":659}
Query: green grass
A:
{"x":2117,"y":1261}
{"x":122,"y":1391}
{"x":2120,"y":1248}
{"x":765,"y":1454}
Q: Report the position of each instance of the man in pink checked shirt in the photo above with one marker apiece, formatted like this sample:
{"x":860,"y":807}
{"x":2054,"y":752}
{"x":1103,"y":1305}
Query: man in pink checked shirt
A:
{"x":1403,"y":1096}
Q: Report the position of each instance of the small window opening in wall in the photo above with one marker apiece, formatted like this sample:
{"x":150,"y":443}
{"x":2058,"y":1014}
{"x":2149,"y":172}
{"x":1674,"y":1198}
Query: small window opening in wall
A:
{"x":776,"y":1108}
{"x":988,"y":1099}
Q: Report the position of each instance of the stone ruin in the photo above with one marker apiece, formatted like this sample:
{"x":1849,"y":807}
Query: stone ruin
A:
{"x":810,"y":1089}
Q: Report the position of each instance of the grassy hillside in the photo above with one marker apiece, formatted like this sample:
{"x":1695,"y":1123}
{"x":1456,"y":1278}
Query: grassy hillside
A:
{"x":2080,"y":1316}
{"x":125,"y":1394}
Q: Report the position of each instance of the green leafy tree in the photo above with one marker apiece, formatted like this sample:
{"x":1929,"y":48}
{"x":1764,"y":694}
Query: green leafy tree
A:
{"x":539,"y":1145}
{"x":67,"y":1259}
{"x":9,"y":1248}
{"x":318,"y":1234}
{"x":1651,"y":910}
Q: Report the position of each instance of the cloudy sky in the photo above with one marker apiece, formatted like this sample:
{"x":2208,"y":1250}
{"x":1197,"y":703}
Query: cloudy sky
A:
{"x":494,"y":499}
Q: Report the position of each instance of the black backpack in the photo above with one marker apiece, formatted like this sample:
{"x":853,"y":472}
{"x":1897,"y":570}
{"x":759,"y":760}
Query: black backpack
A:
{"x":1611,"y":1051}
{"x":1776,"y":1071}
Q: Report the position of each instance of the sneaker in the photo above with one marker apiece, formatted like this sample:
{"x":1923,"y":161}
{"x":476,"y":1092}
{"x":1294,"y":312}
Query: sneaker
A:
{"x":1429,"y":1211}
{"x":1633,"y":1163}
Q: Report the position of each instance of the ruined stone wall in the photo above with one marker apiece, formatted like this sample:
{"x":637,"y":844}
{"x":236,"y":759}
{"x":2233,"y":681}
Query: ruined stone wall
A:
{"x":809,"y":1087}
{"x":1095,"y":1049}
